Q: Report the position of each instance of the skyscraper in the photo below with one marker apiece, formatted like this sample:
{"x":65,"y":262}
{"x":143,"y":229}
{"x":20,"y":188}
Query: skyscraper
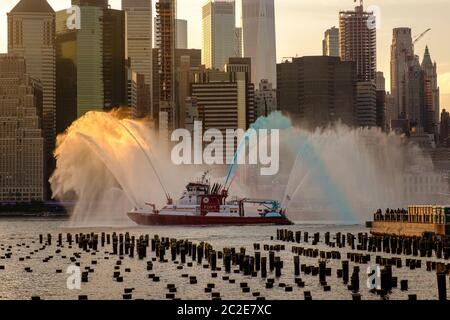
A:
{"x":366,"y":103}
{"x":402,"y":55}
{"x":139,"y":40}
{"x":224,"y":100}
{"x":316,"y":91}
{"x":21,"y":140}
{"x":219,"y":36}
{"x":82,"y":50}
{"x":155,"y":81}
{"x":258,"y":22}
{"x":221,"y":101}
{"x":391,"y":110}
{"x":235,"y":67}
{"x":358,"y":41}
{"x":330,"y":42}
{"x":138,"y":94}
{"x":182,"y":34}
{"x":239,"y":51}
{"x":91,"y":69}
{"x":114,"y":71}
{"x":165,"y":43}
{"x":431,"y":93}
{"x":381,"y":100}
{"x":31,"y":34}
{"x":415,"y":94}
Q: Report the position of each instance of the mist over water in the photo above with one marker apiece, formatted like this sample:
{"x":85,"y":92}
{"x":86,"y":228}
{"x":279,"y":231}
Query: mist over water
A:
{"x":351,"y":172}
{"x":338,"y":172}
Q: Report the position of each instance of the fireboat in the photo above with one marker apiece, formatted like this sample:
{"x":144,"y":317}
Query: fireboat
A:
{"x":206,"y":204}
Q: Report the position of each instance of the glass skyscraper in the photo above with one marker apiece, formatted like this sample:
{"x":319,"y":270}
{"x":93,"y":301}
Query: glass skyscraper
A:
{"x":90,"y":61}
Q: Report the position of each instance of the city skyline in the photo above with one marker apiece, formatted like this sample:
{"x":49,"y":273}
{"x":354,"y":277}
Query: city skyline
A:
{"x":224,"y":121}
{"x":317,"y":16}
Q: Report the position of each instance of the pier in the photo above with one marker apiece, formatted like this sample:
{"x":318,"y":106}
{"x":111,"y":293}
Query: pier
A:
{"x":414,"y":222}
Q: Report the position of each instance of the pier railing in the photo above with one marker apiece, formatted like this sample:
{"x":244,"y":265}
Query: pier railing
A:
{"x":392,"y":216}
{"x":414,"y":214}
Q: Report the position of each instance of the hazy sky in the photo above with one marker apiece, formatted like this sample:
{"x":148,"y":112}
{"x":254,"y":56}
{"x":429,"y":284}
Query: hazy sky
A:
{"x":300,"y":25}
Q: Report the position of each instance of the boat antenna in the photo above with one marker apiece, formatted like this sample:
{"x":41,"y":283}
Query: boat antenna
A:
{"x":205,"y":174}
{"x":148,"y":159}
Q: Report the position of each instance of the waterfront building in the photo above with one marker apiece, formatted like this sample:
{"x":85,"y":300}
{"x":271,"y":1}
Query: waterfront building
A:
{"x":31,"y":34}
{"x":21,"y":136}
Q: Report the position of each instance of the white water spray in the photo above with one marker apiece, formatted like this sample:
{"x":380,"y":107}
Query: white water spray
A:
{"x":338,"y":173}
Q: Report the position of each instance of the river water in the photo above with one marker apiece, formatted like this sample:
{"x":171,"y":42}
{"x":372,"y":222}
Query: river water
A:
{"x":19,"y":239}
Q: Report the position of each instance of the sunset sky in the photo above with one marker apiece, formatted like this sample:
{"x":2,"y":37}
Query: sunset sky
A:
{"x":301,"y":23}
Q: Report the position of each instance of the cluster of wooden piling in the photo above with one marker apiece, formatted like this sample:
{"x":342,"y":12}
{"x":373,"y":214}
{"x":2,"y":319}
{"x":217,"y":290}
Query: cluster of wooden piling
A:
{"x":394,"y":245}
{"x":182,"y":253}
{"x":241,"y":266}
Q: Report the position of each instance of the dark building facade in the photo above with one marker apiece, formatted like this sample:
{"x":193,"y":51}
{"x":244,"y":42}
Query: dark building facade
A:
{"x":187,"y":64}
{"x":444,"y":130}
{"x":416,"y":95}
{"x":381,"y":109}
{"x":225,"y":100}
{"x":91,"y":66}
{"x":155,"y":83}
{"x":114,"y":76}
{"x":317,"y":91}
{"x":195,"y":57}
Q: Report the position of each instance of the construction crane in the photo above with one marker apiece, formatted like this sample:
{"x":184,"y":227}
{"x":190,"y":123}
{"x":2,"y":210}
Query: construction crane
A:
{"x":418,"y":38}
{"x":415,"y":40}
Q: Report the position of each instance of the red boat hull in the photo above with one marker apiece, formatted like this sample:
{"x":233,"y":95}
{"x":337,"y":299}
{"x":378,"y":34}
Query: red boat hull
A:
{"x":168,"y":220}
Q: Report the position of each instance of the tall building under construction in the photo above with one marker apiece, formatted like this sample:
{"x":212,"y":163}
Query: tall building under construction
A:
{"x":358,"y":41}
{"x":165,"y":33}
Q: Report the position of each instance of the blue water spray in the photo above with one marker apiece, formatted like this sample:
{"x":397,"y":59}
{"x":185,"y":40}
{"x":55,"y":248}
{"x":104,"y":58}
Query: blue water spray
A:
{"x":319,"y":171}
{"x":273,"y":121}
{"x":306,"y":151}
